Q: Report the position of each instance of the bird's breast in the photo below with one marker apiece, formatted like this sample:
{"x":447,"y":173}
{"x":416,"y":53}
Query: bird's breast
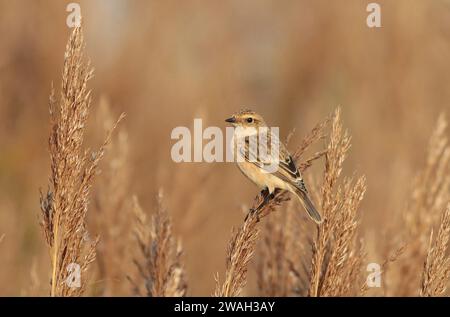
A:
{"x":260,"y":178}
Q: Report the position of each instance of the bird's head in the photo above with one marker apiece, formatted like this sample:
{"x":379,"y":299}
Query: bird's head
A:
{"x":246,"y":119}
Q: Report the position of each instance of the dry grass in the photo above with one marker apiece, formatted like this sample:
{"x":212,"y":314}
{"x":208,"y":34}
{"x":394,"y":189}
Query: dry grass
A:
{"x":65,"y":205}
{"x":161,"y":271}
{"x":393,"y":87}
{"x":239,"y":253}
{"x":337,"y":257}
{"x":284,"y":253}
{"x":390,"y":259}
{"x":110,"y":210}
{"x":281,"y":272}
{"x":325,"y":263}
{"x":430,"y":194}
{"x":436,"y":273}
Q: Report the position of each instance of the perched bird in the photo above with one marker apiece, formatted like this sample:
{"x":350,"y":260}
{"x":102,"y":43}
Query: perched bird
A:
{"x":286,"y":176}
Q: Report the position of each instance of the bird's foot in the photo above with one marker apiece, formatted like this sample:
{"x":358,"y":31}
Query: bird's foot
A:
{"x":252,"y":212}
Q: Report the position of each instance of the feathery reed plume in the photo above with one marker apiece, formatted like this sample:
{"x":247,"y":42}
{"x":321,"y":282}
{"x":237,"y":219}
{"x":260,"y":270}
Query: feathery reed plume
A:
{"x":161,"y":268}
{"x":336,"y":254}
{"x":109,"y":216}
{"x":431,"y":187}
{"x":239,"y":253}
{"x":65,"y":205}
{"x":281,"y":272}
{"x":242,"y":244}
{"x":436,"y":273}
{"x":430,"y":194}
{"x":391,"y":258}
{"x":272,"y":257}
{"x":283,"y":253}
{"x":344,"y":262}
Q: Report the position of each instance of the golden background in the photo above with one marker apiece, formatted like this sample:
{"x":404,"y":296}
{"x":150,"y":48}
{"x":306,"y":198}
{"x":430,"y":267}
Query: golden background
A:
{"x":165,"y":63}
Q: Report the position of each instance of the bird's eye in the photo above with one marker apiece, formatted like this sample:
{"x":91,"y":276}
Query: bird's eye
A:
{"x":249,"y":120}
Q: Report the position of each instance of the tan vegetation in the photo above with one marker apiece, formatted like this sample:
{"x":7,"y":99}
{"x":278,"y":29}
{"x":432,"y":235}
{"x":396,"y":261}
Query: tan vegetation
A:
{"x":161,"y":270}
{"x":385,"y":198}
{"x":65,"y":205}
{"x":430,"y":194}
{"x":437,"y":265}
{"x":110,"y":212}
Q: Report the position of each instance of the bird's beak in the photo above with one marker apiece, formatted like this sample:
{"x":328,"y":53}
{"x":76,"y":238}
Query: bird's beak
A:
{"x":231,"y":120}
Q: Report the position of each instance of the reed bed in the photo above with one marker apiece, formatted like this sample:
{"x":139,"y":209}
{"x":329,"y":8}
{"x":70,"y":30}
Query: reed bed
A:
{"x":425,"y":211}
{"x":104,"y":237}
{"x":334,"y":265}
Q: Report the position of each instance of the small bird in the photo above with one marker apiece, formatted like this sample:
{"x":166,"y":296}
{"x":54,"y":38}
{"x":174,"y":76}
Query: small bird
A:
{"x":247,"y":123}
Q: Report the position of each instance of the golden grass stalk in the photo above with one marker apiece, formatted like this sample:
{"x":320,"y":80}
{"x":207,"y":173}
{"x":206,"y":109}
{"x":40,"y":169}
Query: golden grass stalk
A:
{"x":280,"y":271}
{"x":436,"y":273}
{"x":160,"y":268}
{"x":273,"y":256}
{"x":284,"y":253}
{"x":390,"y":259}
{"x":243,"y":241}
{"x":110,"y":214}
{"x":239,"y":253}
{"x":430,"y":195}
{"x":65,"y":205}
{"x":336,"y":254}
{"x":431,"y":187}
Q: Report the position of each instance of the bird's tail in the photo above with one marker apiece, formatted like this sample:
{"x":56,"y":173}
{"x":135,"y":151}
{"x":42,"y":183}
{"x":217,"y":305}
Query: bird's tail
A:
{"x":308,"y":205}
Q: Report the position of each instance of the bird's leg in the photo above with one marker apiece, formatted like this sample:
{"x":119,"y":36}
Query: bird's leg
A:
{"x":276,"y":191}
{"x":266,"y":198}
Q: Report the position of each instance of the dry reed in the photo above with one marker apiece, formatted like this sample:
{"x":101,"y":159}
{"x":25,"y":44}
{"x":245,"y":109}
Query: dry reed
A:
{"x":336,"y":254}
{"x":436,"y":273}
{"x":430,"y":193}
{"x":280,"y":271}
{"x":64,"y":207}
{"x":282,"y":259}
{"x":160,"y":266}
{"x":390,"y":259}
{"x":110,"y":213}
{"x":239,"y":253}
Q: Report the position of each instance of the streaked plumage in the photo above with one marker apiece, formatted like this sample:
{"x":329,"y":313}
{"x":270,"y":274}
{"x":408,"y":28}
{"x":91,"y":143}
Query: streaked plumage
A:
{"x":255,"y":165}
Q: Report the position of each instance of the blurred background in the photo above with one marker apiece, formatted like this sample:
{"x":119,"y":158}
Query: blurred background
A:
{"x":165,"y":63}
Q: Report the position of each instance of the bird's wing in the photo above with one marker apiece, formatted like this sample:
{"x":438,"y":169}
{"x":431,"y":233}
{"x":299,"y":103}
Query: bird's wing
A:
{"x":262,"y":156}
{"x":288,"y":170}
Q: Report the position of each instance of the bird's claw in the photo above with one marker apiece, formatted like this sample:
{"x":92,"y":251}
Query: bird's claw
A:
{"x":252,"y":212}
